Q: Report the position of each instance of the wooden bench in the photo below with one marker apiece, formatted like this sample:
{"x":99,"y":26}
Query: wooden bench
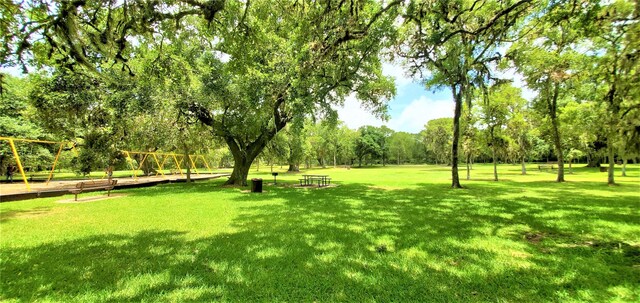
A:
{"x":551,"y":165}
{"x":107,"y":185}
{"x":39,"y":177}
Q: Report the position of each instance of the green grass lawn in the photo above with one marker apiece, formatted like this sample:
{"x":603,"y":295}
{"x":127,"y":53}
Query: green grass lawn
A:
{"x":383,"y":234}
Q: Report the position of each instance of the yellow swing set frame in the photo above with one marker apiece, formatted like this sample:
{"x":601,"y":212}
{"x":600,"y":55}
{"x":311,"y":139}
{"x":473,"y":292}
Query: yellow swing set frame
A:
{"x":157,"y":156}
{"x":16,"y":156}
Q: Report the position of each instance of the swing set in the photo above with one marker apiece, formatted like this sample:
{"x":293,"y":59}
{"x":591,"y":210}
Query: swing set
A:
{"x":161,"y":160}
{"x":16,"y":156}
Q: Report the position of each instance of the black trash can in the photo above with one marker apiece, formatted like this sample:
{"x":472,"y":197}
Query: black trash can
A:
{"x":256,"y":185}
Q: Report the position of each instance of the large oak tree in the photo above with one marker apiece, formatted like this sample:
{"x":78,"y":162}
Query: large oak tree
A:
{"x":452,"y":44}
{"x":262,"y":63}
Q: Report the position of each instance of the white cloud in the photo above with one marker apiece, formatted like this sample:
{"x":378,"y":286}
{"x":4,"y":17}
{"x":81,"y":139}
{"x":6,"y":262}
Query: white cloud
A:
{"x":412,"y":119}
{"x":396,"y":71}
{"x":518,"y":81}
{"x":419,"y":112}
{"x":413,"y":115}
{"x":12,"y":70}
{"x":527,"y":93}
{"x":355,"y":116}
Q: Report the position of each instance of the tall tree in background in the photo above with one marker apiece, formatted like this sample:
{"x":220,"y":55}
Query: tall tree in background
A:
{"x":368,"y":143}
{"x":347,"y":145}
{"x":519,"y":130}
{"x":437,"y":137}
{"x":494,"y":114}
{"x":614,"y":29}
{"x":469,"y":137}
{"x":401,"y":146}
{"x":295,"y":138}
{"x":547,"y":57}
{"x":451,"y":44}
{"x":385,"y":134}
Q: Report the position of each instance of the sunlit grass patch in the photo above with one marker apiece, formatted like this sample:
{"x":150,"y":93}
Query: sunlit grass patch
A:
{"x":384,"y":234}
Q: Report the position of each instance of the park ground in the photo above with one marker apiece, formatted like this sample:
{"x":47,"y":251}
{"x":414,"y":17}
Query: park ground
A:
{"x":392,"y":234}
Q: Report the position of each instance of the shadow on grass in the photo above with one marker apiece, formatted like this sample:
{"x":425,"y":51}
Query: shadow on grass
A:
{"x":357,"y":242}
{"x":6,"y":215}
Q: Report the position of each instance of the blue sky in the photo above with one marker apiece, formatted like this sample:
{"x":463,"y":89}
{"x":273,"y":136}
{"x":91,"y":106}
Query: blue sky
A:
{"x":409,"y":110}
{"x":413,"y":106}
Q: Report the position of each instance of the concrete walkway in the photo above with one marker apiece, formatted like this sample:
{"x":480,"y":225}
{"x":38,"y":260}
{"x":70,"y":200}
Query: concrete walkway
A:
{"x":18,"y":191}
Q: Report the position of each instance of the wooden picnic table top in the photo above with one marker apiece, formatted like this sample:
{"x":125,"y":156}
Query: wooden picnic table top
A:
{"x":315,"y":175}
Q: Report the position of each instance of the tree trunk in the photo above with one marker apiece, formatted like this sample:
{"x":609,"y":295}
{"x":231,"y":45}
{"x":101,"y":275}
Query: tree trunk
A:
{"x":334,"y":159}
{"x":493,"y":155}
{"x":294,"y":168}
{"x":612,"y":162}
{"x":468,"y":167}
{"x":240,"y":172}
{"x":495,"y":165}
{"x":186,"y":157}
{"x":243,"y":157}
{"x":624,"y":167}
{"x":524,"y":167}
{"x":593,"y":161}
{"x":557,"y":142}
{"x":457,"y":96}
{"x":244,"y":152}
{"x":570,"y":168}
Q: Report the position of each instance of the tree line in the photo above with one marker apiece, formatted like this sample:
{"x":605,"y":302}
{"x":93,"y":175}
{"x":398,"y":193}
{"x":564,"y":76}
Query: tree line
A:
{"x":189,"y":75}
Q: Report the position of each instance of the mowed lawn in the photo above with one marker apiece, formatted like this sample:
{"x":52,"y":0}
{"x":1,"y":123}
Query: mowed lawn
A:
{"x":392,"y":234}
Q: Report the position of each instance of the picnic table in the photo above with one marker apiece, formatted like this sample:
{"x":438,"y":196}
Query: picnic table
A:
{"x":322,"y":180}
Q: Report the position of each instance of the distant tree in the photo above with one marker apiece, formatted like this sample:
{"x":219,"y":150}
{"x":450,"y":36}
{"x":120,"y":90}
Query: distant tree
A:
{"x":613,"y":29}
{"x":277,"y":150}
{"x":519,"y":130}
{"x":548,"y":58}
{"x":437,"y":137}
{"x":368,"y":143}
{"x":469,"y":137}
{"x":295,"y":138}
{"x":74,"y":107}
{"x":346,"y":148}
{"x":401,"y":146}
{"x":581,"y":126}
{"x":385,"y":134}
{"x":495,"y":112}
